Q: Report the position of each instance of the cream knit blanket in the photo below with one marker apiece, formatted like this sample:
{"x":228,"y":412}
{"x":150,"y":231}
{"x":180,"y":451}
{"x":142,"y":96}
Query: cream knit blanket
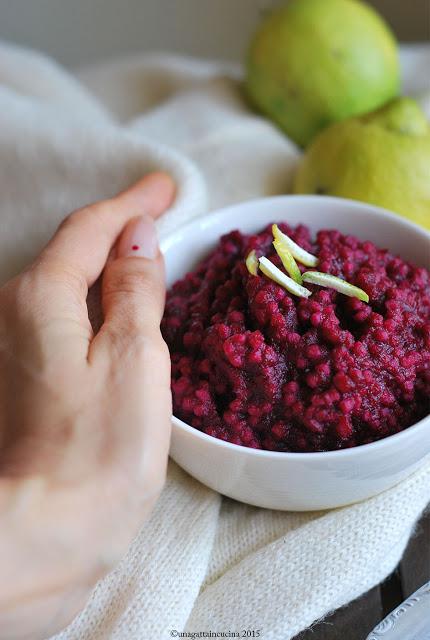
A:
{"x":201,"y":563}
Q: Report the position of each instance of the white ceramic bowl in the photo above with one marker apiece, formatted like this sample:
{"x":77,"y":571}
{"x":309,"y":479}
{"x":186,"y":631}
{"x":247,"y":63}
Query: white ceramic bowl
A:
{"x":298,"y":481}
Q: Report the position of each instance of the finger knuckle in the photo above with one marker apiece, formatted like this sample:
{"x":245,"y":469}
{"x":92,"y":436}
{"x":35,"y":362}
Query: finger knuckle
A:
{"x":139,"y":288}
{"x":92,"y":214}
{"x":153,"y":348}
{"x":125,"y":281}
{"x":52,"y":272}
{"x":73,"y":218}
{"x":16,"y":295}
{"x":148,"y":347}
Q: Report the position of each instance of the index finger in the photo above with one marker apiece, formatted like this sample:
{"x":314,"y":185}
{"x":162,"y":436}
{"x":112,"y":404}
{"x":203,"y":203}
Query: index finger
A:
{"x":84,"y":240}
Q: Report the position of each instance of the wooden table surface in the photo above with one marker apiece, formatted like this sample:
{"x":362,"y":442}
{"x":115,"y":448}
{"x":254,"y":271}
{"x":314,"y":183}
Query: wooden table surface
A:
{"x":356,"y":620}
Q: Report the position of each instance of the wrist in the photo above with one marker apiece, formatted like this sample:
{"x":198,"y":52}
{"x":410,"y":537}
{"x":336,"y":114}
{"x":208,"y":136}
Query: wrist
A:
{"x":46,"y":576}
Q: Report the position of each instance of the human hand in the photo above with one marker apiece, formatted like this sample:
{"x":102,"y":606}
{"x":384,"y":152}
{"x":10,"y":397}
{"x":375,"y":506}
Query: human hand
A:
{"x":84,"y":418}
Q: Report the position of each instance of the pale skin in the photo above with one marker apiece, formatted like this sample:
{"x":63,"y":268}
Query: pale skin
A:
{"x":84,"y":417}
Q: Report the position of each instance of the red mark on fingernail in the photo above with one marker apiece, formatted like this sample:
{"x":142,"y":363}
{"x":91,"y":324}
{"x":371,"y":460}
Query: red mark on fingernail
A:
{"x":135,"y":247}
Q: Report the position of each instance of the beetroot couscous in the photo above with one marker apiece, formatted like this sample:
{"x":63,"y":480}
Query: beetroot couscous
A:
{"x":256,"y":366}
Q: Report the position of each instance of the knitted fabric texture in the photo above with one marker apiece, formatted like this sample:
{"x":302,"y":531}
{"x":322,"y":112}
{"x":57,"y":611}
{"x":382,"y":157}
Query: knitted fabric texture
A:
{"x":200,"y":563}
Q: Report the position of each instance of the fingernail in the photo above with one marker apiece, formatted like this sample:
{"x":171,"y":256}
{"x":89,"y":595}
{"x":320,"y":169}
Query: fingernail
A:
{"x":139,"y":239}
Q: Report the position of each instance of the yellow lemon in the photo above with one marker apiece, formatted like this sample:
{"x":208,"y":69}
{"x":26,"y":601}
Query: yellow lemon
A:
{"x":314,"y":62}
{"x":382,"y":158}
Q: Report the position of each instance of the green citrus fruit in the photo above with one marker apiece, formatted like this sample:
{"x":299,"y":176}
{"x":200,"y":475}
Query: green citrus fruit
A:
{"x":314,"y":62}
{"x":382,"y":158}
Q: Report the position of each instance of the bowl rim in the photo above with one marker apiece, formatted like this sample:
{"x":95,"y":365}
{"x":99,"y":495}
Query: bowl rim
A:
{"x":390,"y":216}
{"x":207,"y":218}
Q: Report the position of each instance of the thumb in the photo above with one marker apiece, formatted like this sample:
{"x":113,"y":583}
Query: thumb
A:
{"x":133,"y":288}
